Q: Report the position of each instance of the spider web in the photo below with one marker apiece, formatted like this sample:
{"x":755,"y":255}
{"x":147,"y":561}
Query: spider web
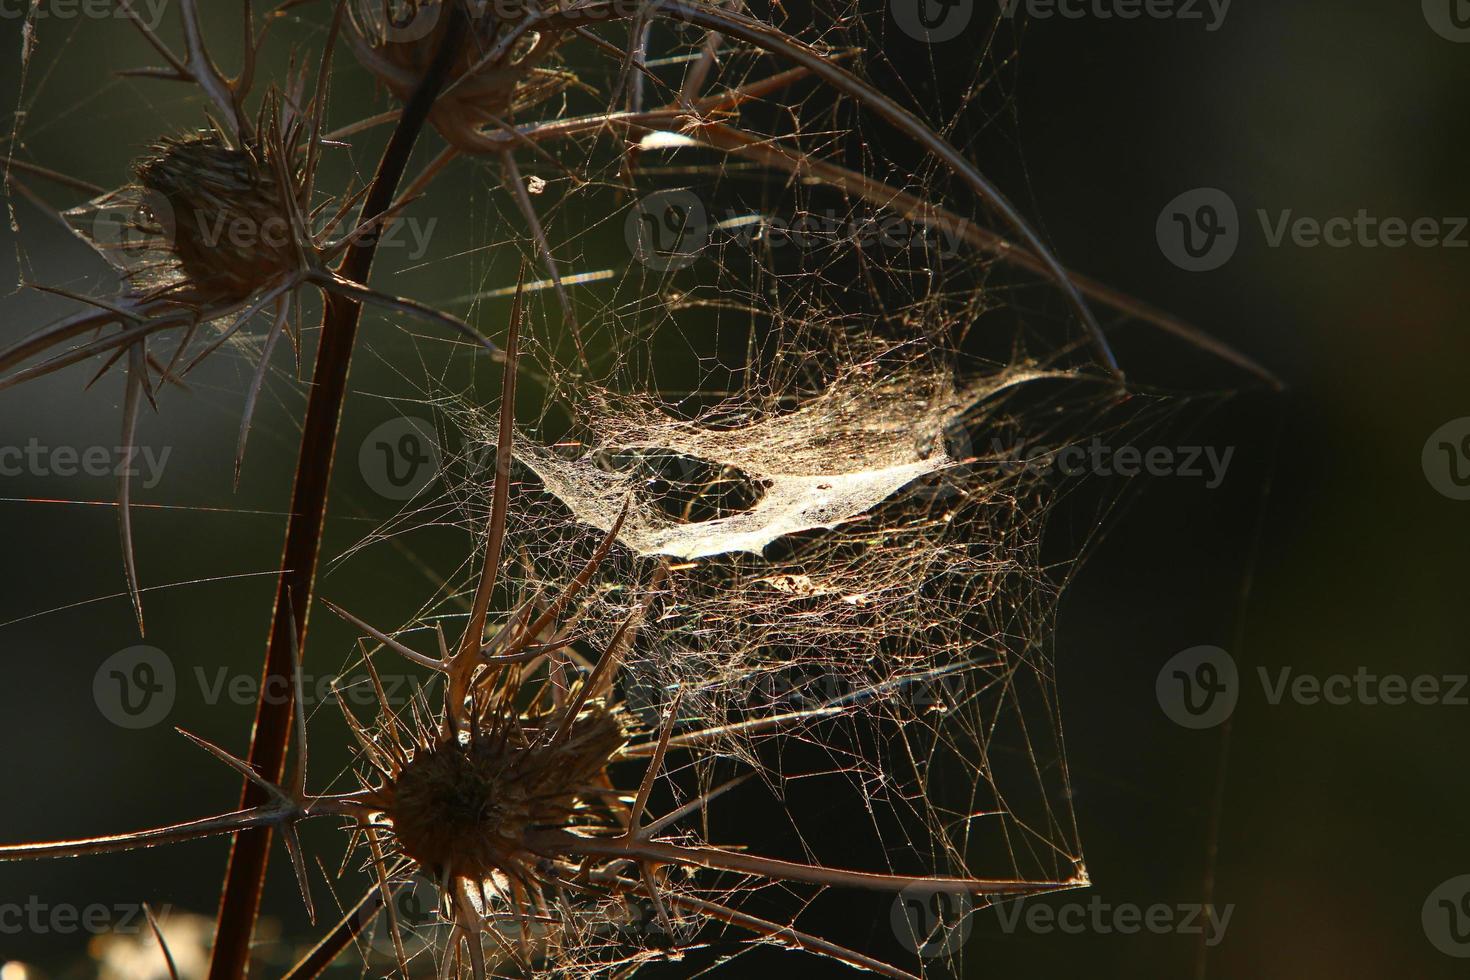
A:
{"x":777,"y":362}
{"x":801,"y":405}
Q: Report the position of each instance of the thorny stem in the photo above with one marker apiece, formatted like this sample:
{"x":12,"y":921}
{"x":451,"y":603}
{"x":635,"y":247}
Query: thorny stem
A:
{"x":357,"y":919}
{"x":168,"y":956}
{"x":771,"y":39}
{"x":777,"y":42}
{"x":245,"y":875}
{"x":172,"y":834}
{"x":789,"y":935}
{"x":695,"y":118}
{"x":281,"y":809}
{"x":732,"y":140}
{"x":715,"y":858}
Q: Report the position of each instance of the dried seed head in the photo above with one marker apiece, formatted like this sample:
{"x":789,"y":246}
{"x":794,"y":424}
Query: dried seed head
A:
{"x":466,"y":804}
{"x":223,"y":212}
{"x":397,"y":40}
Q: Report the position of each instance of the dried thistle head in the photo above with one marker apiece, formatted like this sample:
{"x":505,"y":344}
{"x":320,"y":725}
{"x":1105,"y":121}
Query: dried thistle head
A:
{"x":209,"y":223}
{"x":219,"y":228}
{"x":240,"y":216}
{"x":497,"y":70}
{"x":228,"y":217}
{"x":462,"y":804}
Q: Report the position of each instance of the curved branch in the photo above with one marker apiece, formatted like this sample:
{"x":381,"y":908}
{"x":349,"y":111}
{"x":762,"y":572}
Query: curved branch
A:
{"x":715,"y":858}
{"x":780,"y":43}
{"x":172,"y":834}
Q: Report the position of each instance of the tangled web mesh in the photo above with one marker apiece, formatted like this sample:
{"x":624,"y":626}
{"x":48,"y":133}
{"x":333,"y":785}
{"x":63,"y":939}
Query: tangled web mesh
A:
{"x":845,"y":576}
{"x":806,"y":410}
{"x":834,"y":458}
{"x":857,"y":603}
{"x":774,"y":348}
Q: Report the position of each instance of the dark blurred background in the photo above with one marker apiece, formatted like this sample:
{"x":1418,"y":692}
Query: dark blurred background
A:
{"x":1324,"y":828}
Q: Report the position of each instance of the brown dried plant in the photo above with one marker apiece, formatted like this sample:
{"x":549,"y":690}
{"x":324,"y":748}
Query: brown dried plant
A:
{"x":520,"y":794}
{"x":507,"y":794}
{"x":181,"y":270}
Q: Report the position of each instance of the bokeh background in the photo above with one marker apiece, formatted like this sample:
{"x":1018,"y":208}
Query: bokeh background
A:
{"x":1327,"y":550}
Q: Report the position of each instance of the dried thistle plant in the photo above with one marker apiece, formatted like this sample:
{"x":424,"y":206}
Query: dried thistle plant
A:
{"x":218,"y":224}
{"x":397,"y":42}
{"x":506,"y":795}
{"x":801,"y":516}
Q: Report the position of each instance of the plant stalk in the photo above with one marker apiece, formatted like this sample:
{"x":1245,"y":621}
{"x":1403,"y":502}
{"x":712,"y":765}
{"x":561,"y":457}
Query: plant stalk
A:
{"x":245,"y":875}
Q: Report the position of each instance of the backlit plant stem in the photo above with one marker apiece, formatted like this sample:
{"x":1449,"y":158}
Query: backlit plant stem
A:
{"x":245,"y":876}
